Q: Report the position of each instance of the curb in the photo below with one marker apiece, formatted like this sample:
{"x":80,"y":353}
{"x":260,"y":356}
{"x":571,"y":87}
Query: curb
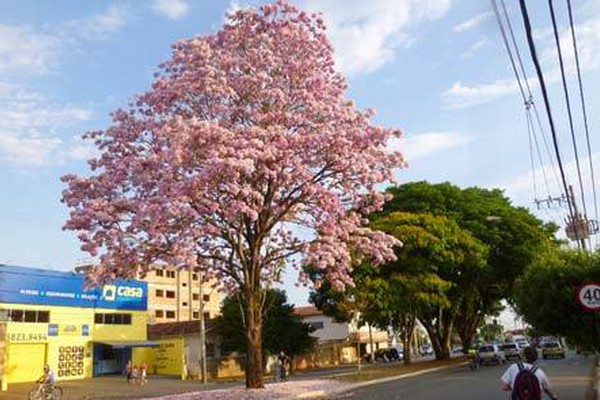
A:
{"x":316,"y":394}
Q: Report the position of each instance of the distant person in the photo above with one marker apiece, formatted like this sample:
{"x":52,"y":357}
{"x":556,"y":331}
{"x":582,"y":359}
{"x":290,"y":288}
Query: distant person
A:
{"x":143,"y":373}
{"x":281,"y":366}
{"x":526,"y":380}
{"x":128,"y":370}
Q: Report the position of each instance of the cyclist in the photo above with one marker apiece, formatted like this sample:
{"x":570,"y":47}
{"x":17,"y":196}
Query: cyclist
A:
{"x":46,"y":382}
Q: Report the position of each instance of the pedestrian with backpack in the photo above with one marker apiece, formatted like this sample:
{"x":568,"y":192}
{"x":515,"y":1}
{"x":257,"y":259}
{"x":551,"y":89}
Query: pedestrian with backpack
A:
{"x":526,"y":380}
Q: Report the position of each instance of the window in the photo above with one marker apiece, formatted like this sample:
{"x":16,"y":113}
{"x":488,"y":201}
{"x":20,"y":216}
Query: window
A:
{"x":194,"y":277}
{"x":30,"y":316}
{"x":159,"y":313}
{"x":113,"y":319}
{"x":170,"y":294}
{"x":184,"y":304}
{"x":170,"y":314}
{"x":206,"y":297}
{"x":316,"y":325}
{"x":16,"y":315}
{"x":195,"y":296}
{"x":195,"y":315}
{"x":184,"y":284}
{"x":43,"y":316}
{"x":170,"y":274}
{"x":160,"y":272}
{"x":206,"y":315}
{"x":160,"y":293}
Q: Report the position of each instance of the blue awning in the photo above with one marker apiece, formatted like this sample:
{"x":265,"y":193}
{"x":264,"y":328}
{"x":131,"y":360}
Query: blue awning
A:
{"x":125,"y":344}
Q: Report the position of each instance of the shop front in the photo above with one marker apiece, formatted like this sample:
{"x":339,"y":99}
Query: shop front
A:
{"x":50,"y":318}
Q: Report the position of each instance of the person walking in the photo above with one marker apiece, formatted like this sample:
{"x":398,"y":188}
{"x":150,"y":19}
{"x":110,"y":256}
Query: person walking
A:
{"x":526,"y":381}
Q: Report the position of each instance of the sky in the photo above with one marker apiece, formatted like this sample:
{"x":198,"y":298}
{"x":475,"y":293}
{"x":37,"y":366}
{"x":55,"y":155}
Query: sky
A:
{"x":436,"y":69}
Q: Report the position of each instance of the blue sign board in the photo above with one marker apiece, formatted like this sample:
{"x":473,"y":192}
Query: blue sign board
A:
{"x":53,"y":330}
{"x":85,"y":330}
{"x":22,"y":285}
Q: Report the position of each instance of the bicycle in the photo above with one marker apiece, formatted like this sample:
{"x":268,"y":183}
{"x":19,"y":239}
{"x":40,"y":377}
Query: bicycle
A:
{"x":55,"y":393}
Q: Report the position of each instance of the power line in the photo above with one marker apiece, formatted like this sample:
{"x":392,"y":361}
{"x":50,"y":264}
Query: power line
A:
{"x":568,"y":103}
{"x":583,"y":108}
{"x":527,"y":99}
{"x":531,"y":102}
{"x":540,"y":75}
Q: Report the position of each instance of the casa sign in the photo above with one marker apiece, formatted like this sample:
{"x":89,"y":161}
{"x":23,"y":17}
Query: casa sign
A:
{"x":588,"y":295}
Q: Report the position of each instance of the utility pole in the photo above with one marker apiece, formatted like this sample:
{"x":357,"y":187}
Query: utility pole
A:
{"x":202,"y":328}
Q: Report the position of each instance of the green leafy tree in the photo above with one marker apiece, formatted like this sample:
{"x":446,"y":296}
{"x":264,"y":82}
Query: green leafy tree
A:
{"x":282,"y":329}
{"x":436,"y":267}
{"x":513,"y":236}
{"x":546,"y":296}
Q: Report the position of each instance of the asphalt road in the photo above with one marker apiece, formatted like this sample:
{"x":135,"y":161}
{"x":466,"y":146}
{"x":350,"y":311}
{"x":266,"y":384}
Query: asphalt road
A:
{"x":570,"y":379}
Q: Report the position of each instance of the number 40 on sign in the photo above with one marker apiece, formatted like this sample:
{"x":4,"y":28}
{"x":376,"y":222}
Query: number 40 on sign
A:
{"x":588,"y":295}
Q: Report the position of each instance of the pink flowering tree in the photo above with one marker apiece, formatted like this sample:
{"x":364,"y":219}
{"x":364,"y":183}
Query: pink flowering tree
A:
{"x":242,"y":158}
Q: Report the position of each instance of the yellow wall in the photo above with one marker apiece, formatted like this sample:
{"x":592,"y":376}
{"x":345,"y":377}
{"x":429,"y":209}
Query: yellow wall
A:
{"x":166,"y":359}
{"x":70,"y":350}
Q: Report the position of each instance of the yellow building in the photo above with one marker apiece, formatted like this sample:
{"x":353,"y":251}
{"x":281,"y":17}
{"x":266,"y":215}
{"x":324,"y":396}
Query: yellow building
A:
{"x":47,"y":317}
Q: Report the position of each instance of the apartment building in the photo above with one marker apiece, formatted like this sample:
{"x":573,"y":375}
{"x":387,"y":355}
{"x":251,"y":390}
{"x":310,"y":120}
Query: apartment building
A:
{"x":174,"y":295}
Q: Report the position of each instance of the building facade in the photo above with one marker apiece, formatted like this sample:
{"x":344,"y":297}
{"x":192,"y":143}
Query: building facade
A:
{"x":174,"y":295}
{"x":49,"y":317}
{"x":338,"y":342}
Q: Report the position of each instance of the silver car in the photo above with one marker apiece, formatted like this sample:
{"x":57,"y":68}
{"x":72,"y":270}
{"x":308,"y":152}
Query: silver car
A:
{"x":491,"y":354}
{"x":512,"y":351}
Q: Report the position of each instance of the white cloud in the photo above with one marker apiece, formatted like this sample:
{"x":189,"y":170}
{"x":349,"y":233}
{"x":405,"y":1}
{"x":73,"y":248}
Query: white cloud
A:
{"x":476,"y":46}
{"x":366,"y":35}
{"x":588,"y":43}
{"x":28,"y":122}
{"x":461,"y":96}
{"x":521,"y":187}
{"x":426,"y":144}
{"x":172,"y":9}
{"x":471,"y":22}
{"x":101,"y":26}
{"x":26,"y":51}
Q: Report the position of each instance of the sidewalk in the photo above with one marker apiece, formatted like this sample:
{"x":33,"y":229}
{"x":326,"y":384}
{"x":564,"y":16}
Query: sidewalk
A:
{"x":318,"y":388}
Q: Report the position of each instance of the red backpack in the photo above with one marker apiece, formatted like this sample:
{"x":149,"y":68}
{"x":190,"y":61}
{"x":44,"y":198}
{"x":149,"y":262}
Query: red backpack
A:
{"x":527,"y":385}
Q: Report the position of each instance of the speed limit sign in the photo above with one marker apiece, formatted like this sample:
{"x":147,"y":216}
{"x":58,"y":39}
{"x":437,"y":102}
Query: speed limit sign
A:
{"x":588,"y":295}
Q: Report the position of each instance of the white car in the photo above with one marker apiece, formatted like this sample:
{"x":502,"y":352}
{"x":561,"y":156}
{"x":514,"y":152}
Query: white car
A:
{"x":491,"y":354}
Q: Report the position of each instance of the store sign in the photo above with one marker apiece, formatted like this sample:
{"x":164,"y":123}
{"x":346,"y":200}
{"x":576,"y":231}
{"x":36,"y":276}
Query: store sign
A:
{"x":26,"y":337}
{"x":34,"y":286}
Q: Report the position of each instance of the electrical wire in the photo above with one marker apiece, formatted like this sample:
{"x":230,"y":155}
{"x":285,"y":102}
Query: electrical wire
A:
{"x":583,"y":108}
{"x":530,"y":101}
{"x":527,"y":25}
{"x":568,"y":104}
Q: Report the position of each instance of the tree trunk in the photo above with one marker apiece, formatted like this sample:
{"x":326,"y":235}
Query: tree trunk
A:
{"x":440,"y":333}
{"x":254,"y":356}
{"x":408,"y":329}
{"x":467,"y":330}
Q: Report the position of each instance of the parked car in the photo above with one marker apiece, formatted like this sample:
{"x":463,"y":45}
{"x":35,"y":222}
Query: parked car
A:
{"x":426,"y":350}
{"x":522,"y":343}
{"x":512,"y":351}
{"x":389,"y":355}
{"x":491,"y":354}
{"x":457,"y":350}
{"x":552,"y":349}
